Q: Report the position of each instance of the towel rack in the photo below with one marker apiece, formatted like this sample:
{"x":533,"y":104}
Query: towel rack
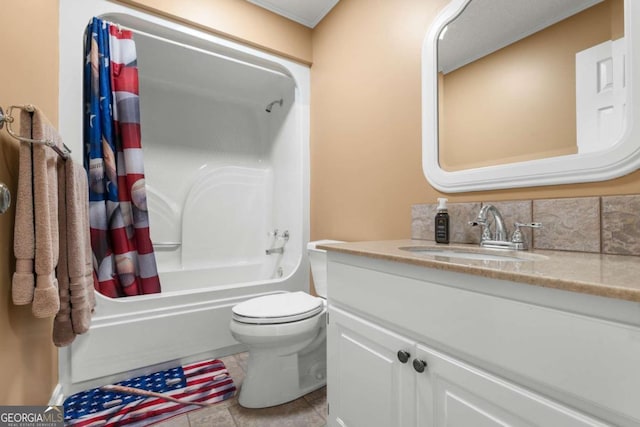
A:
{"x":8,"y":119}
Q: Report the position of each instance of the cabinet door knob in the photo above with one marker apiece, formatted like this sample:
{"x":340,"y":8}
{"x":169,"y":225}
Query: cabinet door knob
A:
{"x":403,"y":356}
{"x":419,"y":365}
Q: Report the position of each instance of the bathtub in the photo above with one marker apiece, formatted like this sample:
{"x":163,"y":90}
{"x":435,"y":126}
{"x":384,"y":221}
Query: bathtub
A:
{"x":225,"y":180}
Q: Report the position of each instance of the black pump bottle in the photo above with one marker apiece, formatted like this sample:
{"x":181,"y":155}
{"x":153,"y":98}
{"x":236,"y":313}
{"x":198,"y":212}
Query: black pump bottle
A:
{"x":442,"y":222}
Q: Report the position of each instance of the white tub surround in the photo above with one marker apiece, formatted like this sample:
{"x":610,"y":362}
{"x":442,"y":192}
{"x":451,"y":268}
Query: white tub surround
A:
{"x":222,"y":175}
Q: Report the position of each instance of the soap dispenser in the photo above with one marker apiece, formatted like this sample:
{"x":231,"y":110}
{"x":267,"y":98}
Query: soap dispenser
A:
{"x":442,"y":222}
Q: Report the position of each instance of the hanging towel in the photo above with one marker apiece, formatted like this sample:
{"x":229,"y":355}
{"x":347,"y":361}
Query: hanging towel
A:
{"x":24,"y":238}
{"x":62,"y":327}
{"x":38,"y":230}
{"x":77,"y":232}
{"x":75,"y":277}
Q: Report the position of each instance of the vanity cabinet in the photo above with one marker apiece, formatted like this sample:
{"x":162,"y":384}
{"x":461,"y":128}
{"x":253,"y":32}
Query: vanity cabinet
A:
{"x":380,"y":378}
{"x":453,"y":393}
{"x":370,"y":386}
{"x":494,"y":354}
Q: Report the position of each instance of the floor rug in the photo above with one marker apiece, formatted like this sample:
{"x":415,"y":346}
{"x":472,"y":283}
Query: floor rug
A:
{"x":205,"y":382}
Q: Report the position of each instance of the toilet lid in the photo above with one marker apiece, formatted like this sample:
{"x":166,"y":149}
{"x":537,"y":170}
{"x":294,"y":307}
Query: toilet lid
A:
{"x":278,"y":308}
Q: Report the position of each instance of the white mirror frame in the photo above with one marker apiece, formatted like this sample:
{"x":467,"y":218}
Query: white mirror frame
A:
{"x":616,"y":161}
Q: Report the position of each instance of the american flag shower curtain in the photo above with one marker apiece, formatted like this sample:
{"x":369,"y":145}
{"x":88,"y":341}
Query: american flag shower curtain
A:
{"x":124,"y":262}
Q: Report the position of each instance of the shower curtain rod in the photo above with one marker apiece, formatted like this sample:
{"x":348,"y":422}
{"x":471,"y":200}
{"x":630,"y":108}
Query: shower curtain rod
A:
{"x":196,"y":49}
{"x":8,"y":119}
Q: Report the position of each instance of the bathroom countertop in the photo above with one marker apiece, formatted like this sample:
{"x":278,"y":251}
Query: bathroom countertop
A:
{"x":612,"y":276}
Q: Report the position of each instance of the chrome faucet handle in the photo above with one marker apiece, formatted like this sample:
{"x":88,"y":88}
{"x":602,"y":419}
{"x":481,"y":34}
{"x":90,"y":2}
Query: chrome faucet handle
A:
{"x":276,"y":234}
{"x":528,"y":224}
{"x":517,"y":236}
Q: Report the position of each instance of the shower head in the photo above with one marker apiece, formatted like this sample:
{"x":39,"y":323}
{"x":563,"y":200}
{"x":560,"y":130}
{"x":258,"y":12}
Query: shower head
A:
{"x":271,"y":104}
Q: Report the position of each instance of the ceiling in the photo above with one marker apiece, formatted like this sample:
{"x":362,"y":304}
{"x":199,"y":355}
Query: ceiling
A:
{"x":488,"y":25}
{"x":305,"y":12}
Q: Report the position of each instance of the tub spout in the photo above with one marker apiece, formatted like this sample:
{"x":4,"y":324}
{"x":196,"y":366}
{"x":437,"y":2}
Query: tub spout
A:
{"x":272,"y":251}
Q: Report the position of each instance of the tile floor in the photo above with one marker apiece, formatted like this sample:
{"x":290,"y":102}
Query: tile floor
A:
{"x":307,"y":411}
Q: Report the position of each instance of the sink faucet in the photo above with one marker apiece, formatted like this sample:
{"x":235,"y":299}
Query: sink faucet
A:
{"x":500,"y":233}
{"x":500,"y":236}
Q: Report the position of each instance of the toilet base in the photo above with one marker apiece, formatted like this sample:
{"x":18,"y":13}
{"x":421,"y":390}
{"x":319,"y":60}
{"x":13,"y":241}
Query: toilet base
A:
{"x":273,"y":379}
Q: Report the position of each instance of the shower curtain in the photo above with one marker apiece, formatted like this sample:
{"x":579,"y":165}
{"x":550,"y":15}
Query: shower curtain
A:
{"x":124,"y":261}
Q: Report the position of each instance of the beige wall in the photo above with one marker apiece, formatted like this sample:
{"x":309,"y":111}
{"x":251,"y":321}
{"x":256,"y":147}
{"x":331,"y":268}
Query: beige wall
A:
{"x":29,"y":74}
{"x":238,"y":20}
{"x":366,"y":169}
{"x":512,"y":90}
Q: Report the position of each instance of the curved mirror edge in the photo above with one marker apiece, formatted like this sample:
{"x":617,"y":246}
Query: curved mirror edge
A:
{"x":619,"y":160}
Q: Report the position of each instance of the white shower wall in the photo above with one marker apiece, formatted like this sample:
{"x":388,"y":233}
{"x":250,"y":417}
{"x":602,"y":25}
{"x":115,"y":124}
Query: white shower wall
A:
{"x":217,"y":164}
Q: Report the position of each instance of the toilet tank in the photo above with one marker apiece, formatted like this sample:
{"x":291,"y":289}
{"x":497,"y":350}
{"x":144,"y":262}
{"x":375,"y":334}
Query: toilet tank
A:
{"x":318,"y":261}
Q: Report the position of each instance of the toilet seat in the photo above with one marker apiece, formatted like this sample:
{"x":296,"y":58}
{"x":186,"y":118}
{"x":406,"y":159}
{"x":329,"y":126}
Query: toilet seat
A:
{"x":278,"y":308}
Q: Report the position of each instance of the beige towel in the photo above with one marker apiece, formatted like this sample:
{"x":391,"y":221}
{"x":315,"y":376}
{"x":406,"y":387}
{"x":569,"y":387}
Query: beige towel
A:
{"x":89,"y":278}
{"x":43,"y":219}
{"x":46,"y":301}
{"x":74,"y":266}
{"x":77,"y":230}
{"x":23,"y":283}
{"x":62,"y":327}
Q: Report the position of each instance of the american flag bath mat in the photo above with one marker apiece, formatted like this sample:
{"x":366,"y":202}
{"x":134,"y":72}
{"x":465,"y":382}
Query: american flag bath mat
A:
{"x":203,"y":382}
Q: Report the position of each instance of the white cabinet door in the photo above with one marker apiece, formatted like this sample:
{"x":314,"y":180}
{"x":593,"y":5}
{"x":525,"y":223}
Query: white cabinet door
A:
{"x":368,"y":386}
{"x":453,"y":394}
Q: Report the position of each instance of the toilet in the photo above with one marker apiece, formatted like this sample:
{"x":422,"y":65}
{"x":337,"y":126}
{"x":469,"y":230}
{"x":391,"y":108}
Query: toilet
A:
{"x":286,"y":337}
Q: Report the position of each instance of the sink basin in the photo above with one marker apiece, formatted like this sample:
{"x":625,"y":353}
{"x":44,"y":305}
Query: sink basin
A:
{"x":465,"y":253}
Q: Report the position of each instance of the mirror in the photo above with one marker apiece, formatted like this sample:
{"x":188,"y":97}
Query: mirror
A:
{"x":505,"y":109}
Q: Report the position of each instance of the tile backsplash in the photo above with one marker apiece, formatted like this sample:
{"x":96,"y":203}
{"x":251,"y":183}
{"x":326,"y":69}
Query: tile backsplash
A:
{"x":423,"y":222}
{"x":607,"y":224}
{"x":568,"y":224}
{"x":621,"y":225}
